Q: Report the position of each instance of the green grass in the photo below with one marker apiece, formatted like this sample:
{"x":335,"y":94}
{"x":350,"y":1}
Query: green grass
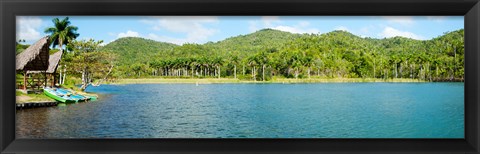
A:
{"x":273,"y":80}
{"x":330,"y":80}
{"x":70,"y":83}
{"x":32,"y":97}
{"x":176,"y":80}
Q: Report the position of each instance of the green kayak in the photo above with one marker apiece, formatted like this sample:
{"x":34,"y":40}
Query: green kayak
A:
{"x":63,"y":95}
{"x":58,"y":97}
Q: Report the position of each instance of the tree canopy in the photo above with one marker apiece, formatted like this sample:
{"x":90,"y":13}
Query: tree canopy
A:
{"x":267,"y":53}
{"x":62,"y":33}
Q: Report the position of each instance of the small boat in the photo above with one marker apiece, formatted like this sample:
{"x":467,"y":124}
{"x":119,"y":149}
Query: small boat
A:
{"x":64,"y":95}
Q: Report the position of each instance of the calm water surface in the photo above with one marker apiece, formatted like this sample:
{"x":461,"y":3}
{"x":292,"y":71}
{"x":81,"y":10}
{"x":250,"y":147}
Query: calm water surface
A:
{"x":324,"y":110}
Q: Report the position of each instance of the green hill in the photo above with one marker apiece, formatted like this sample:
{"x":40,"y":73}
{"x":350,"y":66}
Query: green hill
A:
{"x":334,"y":54}
{"x":253,"y":42}
{"x":134,"y":49}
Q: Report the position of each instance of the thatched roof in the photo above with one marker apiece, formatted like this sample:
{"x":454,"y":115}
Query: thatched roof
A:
{"x":34,"y":57}
{"x":52,"y":63}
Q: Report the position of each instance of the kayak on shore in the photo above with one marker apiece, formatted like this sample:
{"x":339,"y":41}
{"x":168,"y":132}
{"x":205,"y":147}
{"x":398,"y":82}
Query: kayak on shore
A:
{"x":66,"y":96}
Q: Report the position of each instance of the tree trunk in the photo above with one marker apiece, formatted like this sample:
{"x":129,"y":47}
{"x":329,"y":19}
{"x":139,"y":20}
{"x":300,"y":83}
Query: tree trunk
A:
{"x":411,"y":71}
{"x":64,"y":73}
{"x":60,"y":77}
{"x":308,"y":72}
{"x":296,"y":73}
{"x":243,"y":70}
{"x":219,"y":72}
{"x":253,"y":74}
{"x":387,"y":74}
{"x":104,"y":78}
{"x":235,"y":71}
{"x":374,"y":68}
{"x":84,"y":80}
{"x":454,"y":60}
{"x":263,"y":72}
{"x":396,"y":74}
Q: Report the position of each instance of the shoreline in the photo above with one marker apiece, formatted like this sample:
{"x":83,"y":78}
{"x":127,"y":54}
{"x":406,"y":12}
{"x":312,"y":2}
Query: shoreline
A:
{"x":33,"y":100}
{"x":280,"y":80}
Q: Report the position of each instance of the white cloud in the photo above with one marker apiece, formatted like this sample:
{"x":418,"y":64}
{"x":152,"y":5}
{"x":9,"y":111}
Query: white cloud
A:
{"x":27,"y":28}
{"x":273,"y":21}
{"x":253,"y":26}
{"x":194,"y":27}
{"x":178,"y":41}
{"x":392,"y":32}
{"x":296,"y":29}
{"x":268,"y":21}
{"x":301,"y":27}
{"x":402,"y":20}
{"x":343,"y":28}
{"x":129,"y":33}
{"x":365,"y":30}
{"x":369,"y":30}
{"x":436,"y":18}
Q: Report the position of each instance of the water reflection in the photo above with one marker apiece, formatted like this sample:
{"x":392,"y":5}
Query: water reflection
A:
{"x":340,"y":110}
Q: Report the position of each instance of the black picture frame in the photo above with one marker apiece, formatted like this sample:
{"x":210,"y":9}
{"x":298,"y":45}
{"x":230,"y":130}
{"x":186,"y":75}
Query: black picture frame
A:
{"x":470,"y":9}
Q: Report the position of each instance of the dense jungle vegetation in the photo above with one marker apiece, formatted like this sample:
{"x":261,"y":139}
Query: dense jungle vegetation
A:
{"x":267,"y":53}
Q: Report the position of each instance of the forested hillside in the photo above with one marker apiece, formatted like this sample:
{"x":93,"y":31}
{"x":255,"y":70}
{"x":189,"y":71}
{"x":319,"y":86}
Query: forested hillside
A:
{"x":134,"y":49}
{"x":267,"y":53}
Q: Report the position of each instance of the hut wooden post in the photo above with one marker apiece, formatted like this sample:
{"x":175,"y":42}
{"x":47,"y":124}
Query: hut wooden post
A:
{"x":52,"y":79}
{"x":45,"y":83}
{"x":24,"y":80}
{"x":34,"y":58}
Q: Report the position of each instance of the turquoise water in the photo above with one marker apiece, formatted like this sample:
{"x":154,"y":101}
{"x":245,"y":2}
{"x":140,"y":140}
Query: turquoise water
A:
{"x":324,"y":110}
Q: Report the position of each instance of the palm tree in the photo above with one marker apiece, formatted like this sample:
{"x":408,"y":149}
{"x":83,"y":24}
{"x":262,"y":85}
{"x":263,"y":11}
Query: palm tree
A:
{"x":217,"y":62}
{"x":262,"y":59}
{"x":234,"y":59}
{"x":252,"y":61}
{"x":62,"y":33}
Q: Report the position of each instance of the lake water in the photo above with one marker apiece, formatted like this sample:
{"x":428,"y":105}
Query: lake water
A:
{"x":323,"y":110}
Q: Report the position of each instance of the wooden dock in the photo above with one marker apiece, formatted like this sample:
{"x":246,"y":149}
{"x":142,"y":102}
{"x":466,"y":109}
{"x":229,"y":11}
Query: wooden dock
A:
{"x":35,"y":104}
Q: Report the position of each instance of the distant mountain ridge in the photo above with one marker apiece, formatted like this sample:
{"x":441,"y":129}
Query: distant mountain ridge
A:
{"x":132,"y":49}
{"x":337,"y":51}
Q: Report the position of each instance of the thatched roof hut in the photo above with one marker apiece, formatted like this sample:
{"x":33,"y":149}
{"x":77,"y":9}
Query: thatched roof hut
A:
{"x":53,"y":62}
{"x":35,"y":57}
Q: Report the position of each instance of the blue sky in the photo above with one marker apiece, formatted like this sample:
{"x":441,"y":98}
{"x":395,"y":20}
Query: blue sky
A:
{"x":202,"y":29}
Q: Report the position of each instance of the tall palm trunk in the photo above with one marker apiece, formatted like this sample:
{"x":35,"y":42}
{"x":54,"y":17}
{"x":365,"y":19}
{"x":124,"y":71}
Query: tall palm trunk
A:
{"x":296,"y":73}
{"x":243,"y":70}
{"x":309,"y":72}
{"x":263,"y":72}
{"x":64,"y":66}
{"x":396,"y":73}
{"x":60,"y":77}
{"x":253,"y":74}
{"x":374,"y":68}
{"x":64,"y":73}
{"x":235,"y":71}
{"x":454,"y":61}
